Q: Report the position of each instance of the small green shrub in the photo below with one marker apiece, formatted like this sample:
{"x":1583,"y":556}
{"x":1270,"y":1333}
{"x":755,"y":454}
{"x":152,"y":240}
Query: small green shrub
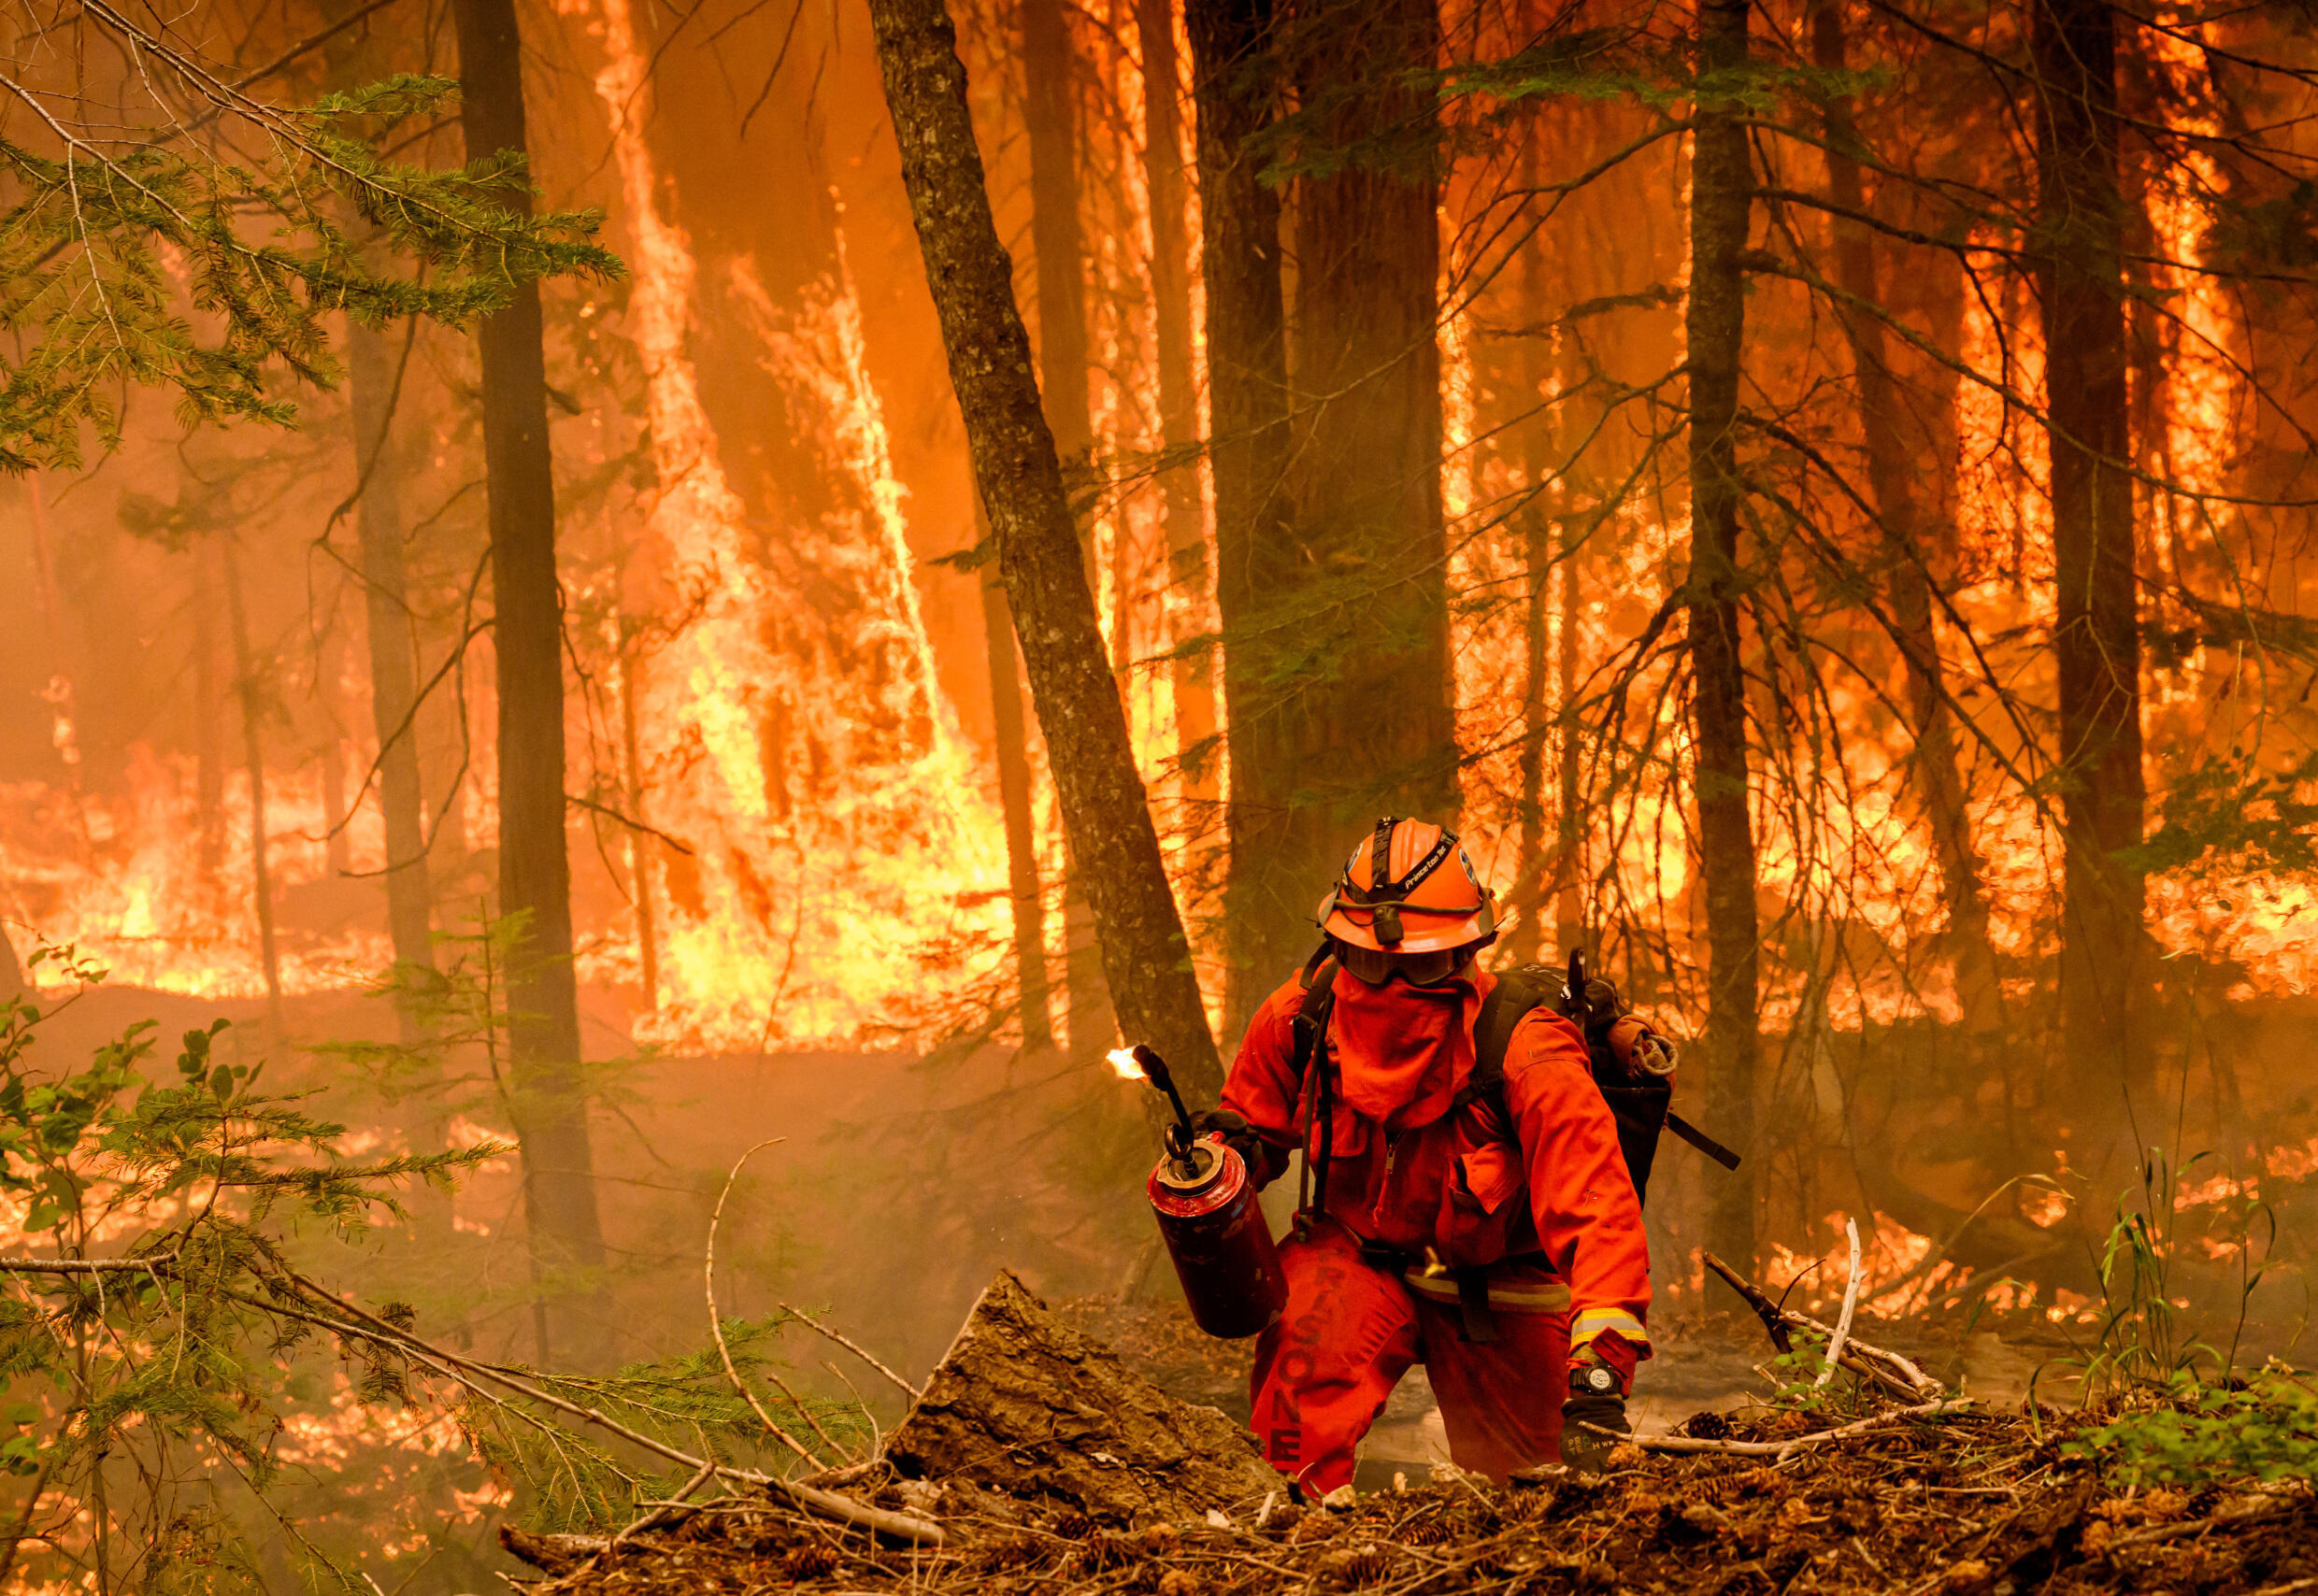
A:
{"x":2262,"y":1428}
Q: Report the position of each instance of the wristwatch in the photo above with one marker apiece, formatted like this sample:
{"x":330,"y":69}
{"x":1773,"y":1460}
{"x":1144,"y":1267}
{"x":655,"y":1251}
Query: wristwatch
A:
{"x":1594,"y":1381}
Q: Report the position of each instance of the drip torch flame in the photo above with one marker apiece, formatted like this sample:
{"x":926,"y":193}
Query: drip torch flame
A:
{"x":1140,"y":1063}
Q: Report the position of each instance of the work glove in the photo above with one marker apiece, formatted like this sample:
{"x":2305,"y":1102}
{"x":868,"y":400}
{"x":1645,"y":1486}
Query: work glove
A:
{"x":1597,"y":1385}
{"x":1236,"y":1134}
{"x":1582,"y":1449}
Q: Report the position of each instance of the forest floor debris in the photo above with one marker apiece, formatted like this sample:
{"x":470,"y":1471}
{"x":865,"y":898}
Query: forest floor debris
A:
{"x":1975,"y":1504}
{"x":1097,"y":1495}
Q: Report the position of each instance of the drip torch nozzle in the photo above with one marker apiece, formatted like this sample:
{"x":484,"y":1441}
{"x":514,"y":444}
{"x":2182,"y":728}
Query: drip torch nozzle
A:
{"x":1181,"y":1134}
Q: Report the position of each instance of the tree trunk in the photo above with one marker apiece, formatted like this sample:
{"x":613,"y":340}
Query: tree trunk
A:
{"x":337,"y":844}
{"x":1234,"y":86}
{"x":639,"y":841}
{"x":371,"y":372}
{"x":547,"y":1104}
{"x":248,"y":691}
{"x":1021,"y":843}
{"x":376,"y":358}
{"x":1105,"y":814}
{"x":2079,"y":249}
{"x":1533,"y":866}
{"x":1057,"y":245}
{"x":1569,"y":762}
{"x":1895,"y":479}
{"x":58,"y":691}
{"x":1721,"y":186}
{"x":1192,"y":677}
{"x":1544,"y":858}
{"x":208,"y":728}
{"x":1058,"y":254}
{"x":1373,"y":731}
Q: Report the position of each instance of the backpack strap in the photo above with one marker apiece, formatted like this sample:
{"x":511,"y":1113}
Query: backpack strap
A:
{"x":1699,"y":1139}
{"x":1508,"y":1003}
{"x":1309,"y":1026}
{"x":1311,"y":1021}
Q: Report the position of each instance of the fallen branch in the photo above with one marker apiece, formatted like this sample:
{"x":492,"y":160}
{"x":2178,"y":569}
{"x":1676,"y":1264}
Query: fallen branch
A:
{"x":465,"y":1371}
{"x":2150,"y":1533}
{"x":1901,"y":1373}
{"x":810,"y":1322}
{"x":1894,"y":1372}
{"x":357,"y":1324}
{"x":716,"y":1322}
{"x":85,"y":1265}
{"x":1787,"y":1447}
{"x":1851,"y":1305}
{"x":1774,"y":1317}
{"x":659,"y":1513}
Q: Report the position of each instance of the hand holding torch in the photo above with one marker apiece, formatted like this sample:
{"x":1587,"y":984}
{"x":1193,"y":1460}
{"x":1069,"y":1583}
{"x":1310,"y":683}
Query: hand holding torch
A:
{"x":1206,"y":1203}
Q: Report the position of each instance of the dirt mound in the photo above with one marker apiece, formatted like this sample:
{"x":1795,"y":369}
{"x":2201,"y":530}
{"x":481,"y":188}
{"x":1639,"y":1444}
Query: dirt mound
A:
{"x":1026,"y":1406}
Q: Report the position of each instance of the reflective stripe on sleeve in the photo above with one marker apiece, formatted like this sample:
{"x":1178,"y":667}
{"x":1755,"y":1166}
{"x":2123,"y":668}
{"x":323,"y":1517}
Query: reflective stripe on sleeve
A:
{"x":1592,"y":1322}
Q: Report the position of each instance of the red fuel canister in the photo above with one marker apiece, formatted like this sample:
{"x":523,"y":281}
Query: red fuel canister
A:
{"x":1222,"y":1246}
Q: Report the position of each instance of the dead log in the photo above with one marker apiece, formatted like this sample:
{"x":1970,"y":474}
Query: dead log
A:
{"x":1024,"y":1404}
{"x":553,"y":1555}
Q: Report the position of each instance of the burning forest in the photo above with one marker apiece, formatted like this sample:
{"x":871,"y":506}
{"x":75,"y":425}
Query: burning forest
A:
{"x":1163,"y":796}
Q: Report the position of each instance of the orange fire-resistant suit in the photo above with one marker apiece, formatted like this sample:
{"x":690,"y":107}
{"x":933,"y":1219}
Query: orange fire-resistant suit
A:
{"x":1428,"y":1199}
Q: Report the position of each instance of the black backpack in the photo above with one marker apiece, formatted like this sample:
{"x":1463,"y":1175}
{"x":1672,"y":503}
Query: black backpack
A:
{"x":1641,"y":1104}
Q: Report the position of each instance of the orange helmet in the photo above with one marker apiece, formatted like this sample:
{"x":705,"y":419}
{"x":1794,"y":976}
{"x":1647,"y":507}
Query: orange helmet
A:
{"x":1422,"y":906}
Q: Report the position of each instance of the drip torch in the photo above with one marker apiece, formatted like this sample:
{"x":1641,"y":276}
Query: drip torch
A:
{"x":1206,"y":1203}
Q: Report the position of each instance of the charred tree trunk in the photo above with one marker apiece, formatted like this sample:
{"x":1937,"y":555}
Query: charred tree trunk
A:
{"x":63,"y":715}
{"x":1894,"y":481}
{"x":1058,"y":254}
{"x":534,"y":871}
{"x":337,"y":846}
{"x":445,"y":756}
{"x":375,"y":363}
{"x":1373,"y":731}
{"x":1545,"y":859}
{"x":250,"y":694}
{"x":2080,"y":275}
{"x":1105,"y":813}
{"x":208,"y":729}
{"x":1568,"y":762}
{"x":1057,"y":244}
{"x":1022,"y":840}
{"x":1721,"y":190}
{"x":639,"y":842}
{"x":1192,"y":677}
{"x":371,"y":371}
{"x":1533,"y":866}
{"x":1234,"y":86}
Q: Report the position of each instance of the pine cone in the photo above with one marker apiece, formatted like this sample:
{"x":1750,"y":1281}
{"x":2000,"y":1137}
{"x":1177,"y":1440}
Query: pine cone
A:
{"x":812,"y":1561}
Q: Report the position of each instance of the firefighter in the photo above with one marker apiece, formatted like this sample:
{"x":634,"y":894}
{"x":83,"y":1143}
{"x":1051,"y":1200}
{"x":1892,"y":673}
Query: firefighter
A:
{"x":1488,"y":1232}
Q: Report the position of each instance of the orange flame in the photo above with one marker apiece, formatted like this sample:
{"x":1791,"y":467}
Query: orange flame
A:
{"x":899,"y":846}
